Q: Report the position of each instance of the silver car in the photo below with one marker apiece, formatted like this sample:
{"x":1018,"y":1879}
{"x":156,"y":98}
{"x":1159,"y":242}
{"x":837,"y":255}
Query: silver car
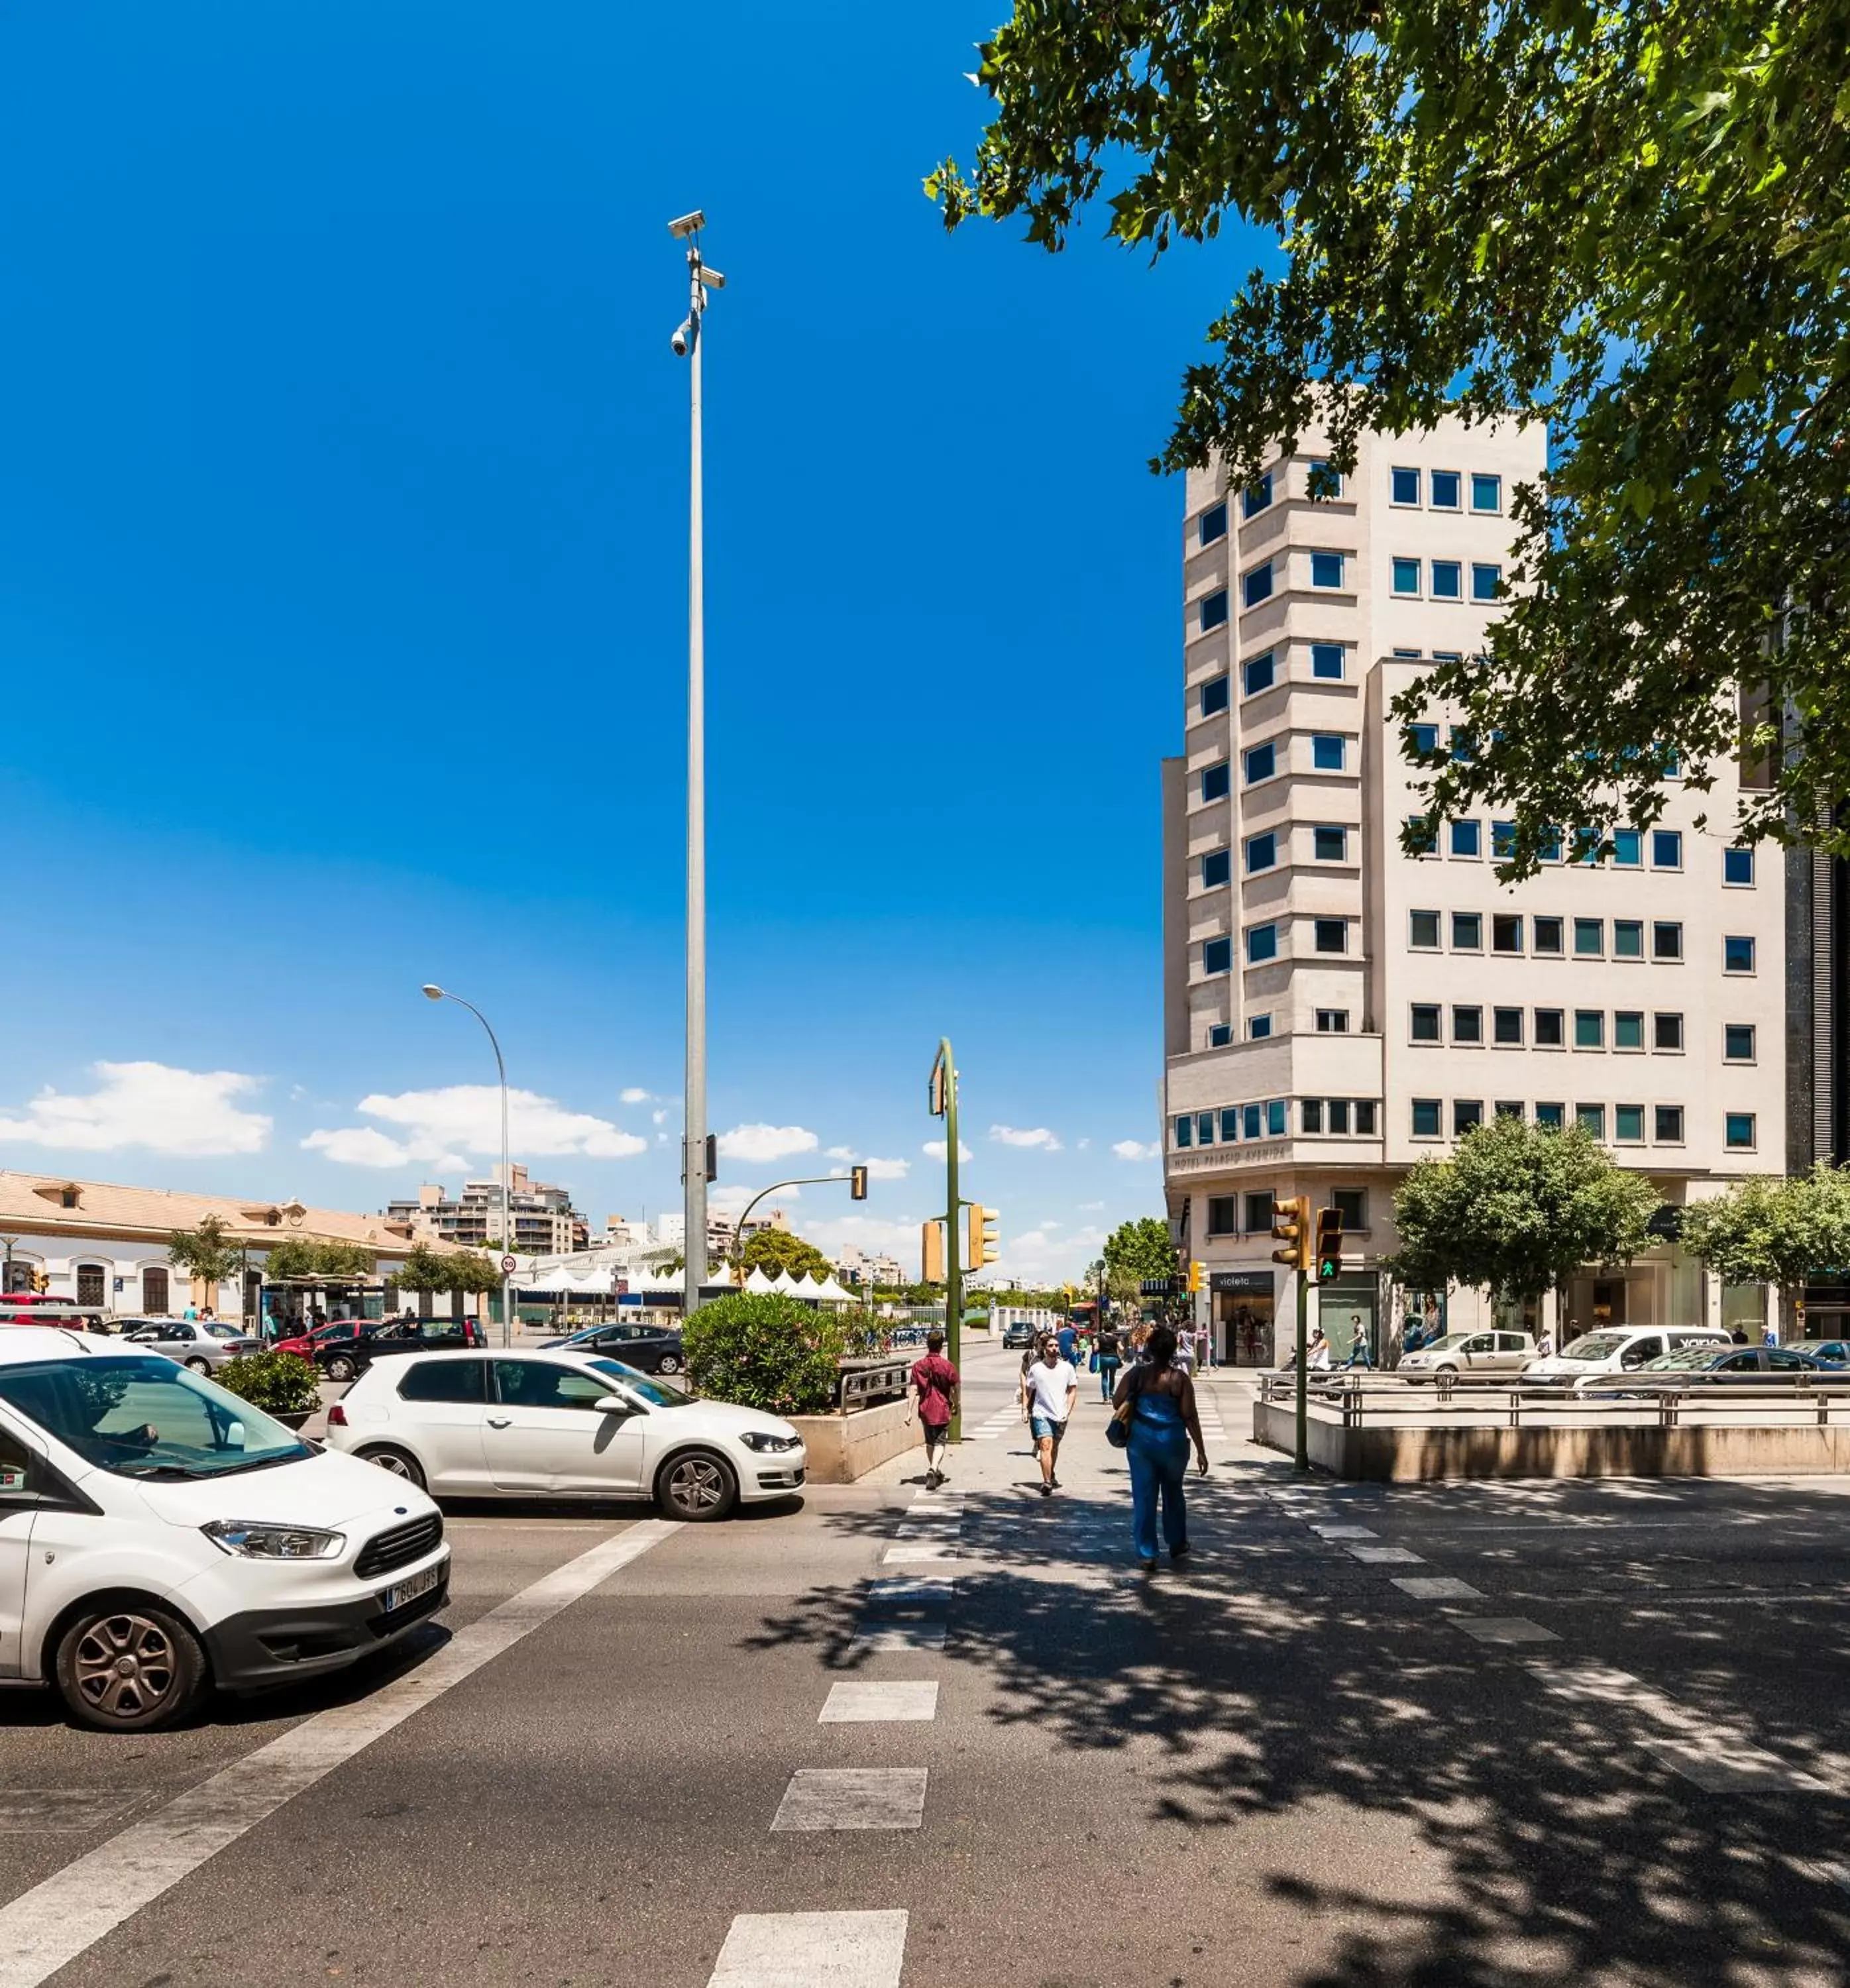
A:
{"x":1469,"y":1353}
{"x":204,"y":1344}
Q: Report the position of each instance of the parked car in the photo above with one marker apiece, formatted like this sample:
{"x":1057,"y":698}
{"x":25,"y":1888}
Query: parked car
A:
{"x":181,"y":1539}
{"x":563,"y":1424}
{"x":651,"y":1349}
{"x":1486,"y":1352}
{"x":1828,"y":1352}
{"x":1711,"y":1365}
{"x":1017,"y":1333}
{"x":1622,"y":1349}
{"x":201,"y":1343}
{"x":345,"y":1347}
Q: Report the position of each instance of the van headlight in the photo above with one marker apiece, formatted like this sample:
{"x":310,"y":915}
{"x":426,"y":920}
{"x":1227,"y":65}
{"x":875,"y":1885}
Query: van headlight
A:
{"x":250,"y":1539}
{"x":767,"y":1445}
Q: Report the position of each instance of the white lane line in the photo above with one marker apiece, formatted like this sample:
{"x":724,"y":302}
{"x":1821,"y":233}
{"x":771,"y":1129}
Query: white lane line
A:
{"x":813,"y":1950}
{"x":1329,"y":1532}
{"x":853,"y":1798}
{"x":1505,"y":1629}
{"x":857,"y":1704}
{"x":921,"y":1552}
{"x":1385,"y":1556}
{"x":911,"y":1589}
{"x":46,"y":1928}
{"x":1437,"y":1587}
{"x":898,"y":1636}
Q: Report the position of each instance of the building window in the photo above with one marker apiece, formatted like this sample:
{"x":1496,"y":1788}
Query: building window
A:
{"x":1629,"y":1124}
{"x":1738,"y":866}
{"x":1467,"y":838}
{"x":1185,"y":1130}
{"x":1261,"y":852}
{"x":1329,"y":845}
{"x":1252,"y":1119}
{"x":1589,"y":937}
{"x":1422,"y":931}
{"x":1552,"y":1115}
{"x":1509,"y":1107}
{"x":1406,"y":578}
{"x":1364,"y":1116}
{"x":1327,"y":570}
{"x":1550,"y":1028}
{"x":1275,"y":1118}
{"x":1327,"y":660}
{"x":1339,"y":1115}
{"x":1261,"y":763}
{"x":1464,"y":746}
{"x":1424,"y":738}
{"x":1258,"y":1028}
{"x":1216,"y":868}
{"x":1667,"y":1032}
{"x":1550,"y":851}
{"x":1214,"y":609}
{"x":1628,"y":848}
{"x":1740,"y":1131}
{"x":1213,"y":696}
{"x":1310,"y":1114}
{"x":1738,"y":954}
{"x":1506,"y":931}
{"x":1332,"y":1021}
{"x":1666,"y":940}
{"x":1503,"y":840}
{"x":1262,"y":943}
{"x":1332,"y":934}
{"x":1328,"y":751}
{"x":1628,"y":1030}
{"x":1666,"y":849}
{"x":1220,"y":1034}
{"x":1548,"y":936}
{"x":1352,"y":1205}
{"x":1217,"y":955}
{"x":92,"y":1285}
{"x":1403,"y":486}
{"x":1258,"y":675}
{"x":1214,"y":782}
{"x":1229,"y":1125}
{"x":1256,"y":497}
{"x":1425,"y":1118}
{"x":1448,"y":580}
{"x":1506,"y":1027}
{"x":1204,"y":1128}
{"x":1467,"y":932}
{"x":1628,"y":939}
{"x":1487,"y":492}
{"x":1323,"y":483}
{"x":1589,"y":1028}
{"x":1737,"y":1043}
{"x":1422,"y":836}
{"x":1223,"y":1215}
{"x":1591,"y":1118}
{"x":1669,"y":1124}
{"x":1467,"y":1114}
{"x":1486,"y":578}
{"x":1447,"y":485}
{"x":1259,"y":1212}
{"x":1214,"y":522}
{"x":1423,"y":1022}
{"x":1257,"y":584}
{"x":1467,"y":1025}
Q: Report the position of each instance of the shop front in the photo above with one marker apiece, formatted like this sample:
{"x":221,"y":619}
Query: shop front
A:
{"x":1347,"y":1307}
{"x":1245,"y":1305}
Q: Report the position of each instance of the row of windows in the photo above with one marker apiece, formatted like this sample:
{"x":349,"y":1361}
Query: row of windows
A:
{"x":1629,"y":1121}
{"x":1446,"y":489}
{"x":1351,"y":1203}
{"x":1547,"y":1029}
{"x":1257,"y":497}
{"x":1329,"y":663}
{"x":1327,"y":936}
{"x":1548,"y":937}
{"x":1466,"y":839}
{"x":1330,"y":1021}
{"x":1234,"y":1124}
{"x":1444,"y":579}
{"x":1329,"y":574}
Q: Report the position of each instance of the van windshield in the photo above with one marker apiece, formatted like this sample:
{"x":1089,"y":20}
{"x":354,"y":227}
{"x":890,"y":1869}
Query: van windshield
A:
{"x":1594,"y":1346}
{"x":140,"y":1415}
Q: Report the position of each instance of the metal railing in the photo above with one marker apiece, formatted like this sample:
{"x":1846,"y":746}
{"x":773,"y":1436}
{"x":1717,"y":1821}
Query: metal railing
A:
{"x":865,"y":1382}
{"x":1662,"y":1399}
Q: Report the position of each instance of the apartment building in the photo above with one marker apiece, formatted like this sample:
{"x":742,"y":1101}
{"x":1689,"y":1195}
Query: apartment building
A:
{"x":545,"y":1222}
{"x":1335,"y":1008}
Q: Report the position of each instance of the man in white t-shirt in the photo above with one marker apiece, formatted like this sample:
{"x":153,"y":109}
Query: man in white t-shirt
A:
{"x":1050,"y":1388}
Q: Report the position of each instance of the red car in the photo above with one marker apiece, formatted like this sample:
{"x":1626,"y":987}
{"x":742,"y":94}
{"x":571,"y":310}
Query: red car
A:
{"x":307,"y":1343}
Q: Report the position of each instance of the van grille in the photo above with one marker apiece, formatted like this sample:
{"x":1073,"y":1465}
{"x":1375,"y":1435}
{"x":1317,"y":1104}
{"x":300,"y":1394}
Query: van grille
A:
{"x":399,"y":1547}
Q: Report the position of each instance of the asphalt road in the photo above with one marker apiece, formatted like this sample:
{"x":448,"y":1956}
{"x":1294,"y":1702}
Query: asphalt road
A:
{"x":1619,"y":1756}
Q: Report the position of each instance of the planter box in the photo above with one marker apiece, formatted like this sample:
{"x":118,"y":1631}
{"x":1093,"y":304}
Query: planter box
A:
{"x":843,"y":1447}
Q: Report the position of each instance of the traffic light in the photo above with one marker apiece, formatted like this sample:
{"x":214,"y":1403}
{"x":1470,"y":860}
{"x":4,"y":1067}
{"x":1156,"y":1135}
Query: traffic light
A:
{"x":931,"y":1253}
{"x":858,"y":1183}
{"x":1291,"y":1225}
{"x":42,"y":1281}
{"x":1198,"y":1276}
{"x":1329,"y":1244}
{"x":982,"y":1236}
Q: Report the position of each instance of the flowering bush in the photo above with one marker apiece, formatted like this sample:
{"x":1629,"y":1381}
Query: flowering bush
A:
{"x":768,"y":1352}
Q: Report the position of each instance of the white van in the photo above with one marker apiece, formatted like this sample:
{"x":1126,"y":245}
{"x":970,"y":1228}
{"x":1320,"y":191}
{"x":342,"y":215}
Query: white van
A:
{"x":1619,"y":1349}
{"x":159,"y":1536}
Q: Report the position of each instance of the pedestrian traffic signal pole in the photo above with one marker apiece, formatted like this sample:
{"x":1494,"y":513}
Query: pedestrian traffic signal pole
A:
{"x":943,"y":1100}
{"x":1291,"y":1225}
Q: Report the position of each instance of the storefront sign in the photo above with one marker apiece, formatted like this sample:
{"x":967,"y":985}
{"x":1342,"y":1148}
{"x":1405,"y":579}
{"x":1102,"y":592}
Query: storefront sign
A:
{"x":1246,"y":1284}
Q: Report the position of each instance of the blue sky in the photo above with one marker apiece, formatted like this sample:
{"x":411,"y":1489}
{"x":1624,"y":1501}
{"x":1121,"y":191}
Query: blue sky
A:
{"x":343,"y":611}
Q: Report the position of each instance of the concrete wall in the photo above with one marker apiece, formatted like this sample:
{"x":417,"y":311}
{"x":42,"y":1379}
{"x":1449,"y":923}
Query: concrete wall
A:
{"x":843,"y":1448}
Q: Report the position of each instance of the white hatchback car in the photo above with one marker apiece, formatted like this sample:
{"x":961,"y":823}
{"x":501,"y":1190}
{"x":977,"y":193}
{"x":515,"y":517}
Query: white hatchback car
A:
{"x":159,"y":1536}
{"x":562,"y":1424}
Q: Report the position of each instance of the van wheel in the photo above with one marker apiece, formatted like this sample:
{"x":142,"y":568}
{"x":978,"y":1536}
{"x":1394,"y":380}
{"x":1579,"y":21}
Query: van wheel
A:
{"x":396,"y":1461}
{"x":130,"y":1669}
{"x":696,"y":1485}
{"x":341,"y":1367}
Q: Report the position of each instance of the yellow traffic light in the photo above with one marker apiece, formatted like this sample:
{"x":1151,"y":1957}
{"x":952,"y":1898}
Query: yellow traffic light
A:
{"x":42,"y":1281}
{"x":858,"y":1183}
{"x":1198,"y":1276}
{"x":981,"y":1236}
{"x":931,"y":1253}
{"x":1291,"y":1225}
{"x":1329,"y":1244}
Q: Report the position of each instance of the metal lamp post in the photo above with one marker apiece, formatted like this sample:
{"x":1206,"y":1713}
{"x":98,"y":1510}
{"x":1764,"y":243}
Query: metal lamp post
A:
{"x":434,"y":993}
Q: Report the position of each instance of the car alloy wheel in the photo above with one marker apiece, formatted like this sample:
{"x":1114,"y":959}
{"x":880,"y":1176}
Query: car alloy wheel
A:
{"x":341,"y":1367}
{"x":200,"y":1365}
{"x":670,"y":1363}
{"x":130,"y":1669}
{"x":396,"y":1462}
{"x":697,"y":1487}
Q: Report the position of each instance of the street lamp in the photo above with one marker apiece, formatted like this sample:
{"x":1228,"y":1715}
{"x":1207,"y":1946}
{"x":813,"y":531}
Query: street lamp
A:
{"x":433,"y":992}
{"x":686,"y":343}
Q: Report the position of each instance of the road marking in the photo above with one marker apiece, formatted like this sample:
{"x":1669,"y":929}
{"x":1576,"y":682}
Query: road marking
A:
{"x":1732,"y":1767}
{"x":1437,"y":1587}
{"x":1328,"y":1532}
{"x":898,"y":1636}
{"x":857,"y":1704}
{"x":1386,"y":1556}
{"x":46,"y":1928}
{"x":920,"y":1553}
{"x":1505,"y":1629}
{"x":813,"y":1950}
{"x":913,"y":1589}
{"x":853,"y":1798}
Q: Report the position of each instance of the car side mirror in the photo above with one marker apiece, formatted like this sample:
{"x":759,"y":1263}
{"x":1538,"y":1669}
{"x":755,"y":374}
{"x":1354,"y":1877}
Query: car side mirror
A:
{"x":615,"y":1405}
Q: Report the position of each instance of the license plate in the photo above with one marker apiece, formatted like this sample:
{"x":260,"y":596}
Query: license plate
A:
{"x":401,"y":1592}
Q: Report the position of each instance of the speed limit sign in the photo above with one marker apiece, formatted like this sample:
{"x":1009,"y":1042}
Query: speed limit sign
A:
{"x":507,"y":1266}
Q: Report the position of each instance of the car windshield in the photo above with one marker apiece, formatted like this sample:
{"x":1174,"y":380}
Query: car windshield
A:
{"x":645,"y":1387}
{"x":1594,"y":1346}
{"x":222,"y":1331}
{"x":139,"y":1415}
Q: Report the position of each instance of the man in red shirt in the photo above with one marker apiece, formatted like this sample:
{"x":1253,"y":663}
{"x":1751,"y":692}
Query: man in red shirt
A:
{"x":935,"y":1389}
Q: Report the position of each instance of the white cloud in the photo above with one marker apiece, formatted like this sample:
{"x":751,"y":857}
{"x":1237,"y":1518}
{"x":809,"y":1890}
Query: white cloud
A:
{"x":759,"y":1143}
{"x":658,"y":1118}
{"x":1134,"y":1149}
{"x":1037,"y":1256}
{"x":1091,"y":1207}
{"x":1085,"y":1145}
{"x":438,"y":1128}
{"x":1036,"y":1136}
{"x":634,"y":1095}
{"x":730,"y":1197}
{"x":150,"y":1104}
{"x":934,"y":1149}
{"x":887,"y":1169}
{"x":841,"y":1152}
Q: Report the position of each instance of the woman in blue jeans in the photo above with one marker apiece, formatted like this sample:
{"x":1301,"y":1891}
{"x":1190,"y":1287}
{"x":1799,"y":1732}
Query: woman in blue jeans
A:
{"x":1163,"y":1423}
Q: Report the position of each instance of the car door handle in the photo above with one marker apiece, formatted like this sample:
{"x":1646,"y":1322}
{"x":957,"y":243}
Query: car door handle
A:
{"x":500,"y":1421}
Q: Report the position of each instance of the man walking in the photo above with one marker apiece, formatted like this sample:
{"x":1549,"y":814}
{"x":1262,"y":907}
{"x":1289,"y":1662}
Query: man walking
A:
{"x":1109,"y":1360}
{"x":935,"y":1384}
{"x":1053,"y":1388}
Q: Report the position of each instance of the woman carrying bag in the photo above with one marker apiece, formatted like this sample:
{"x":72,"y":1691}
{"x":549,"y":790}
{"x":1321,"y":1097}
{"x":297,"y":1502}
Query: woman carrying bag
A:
{"x":1154,"y":1420}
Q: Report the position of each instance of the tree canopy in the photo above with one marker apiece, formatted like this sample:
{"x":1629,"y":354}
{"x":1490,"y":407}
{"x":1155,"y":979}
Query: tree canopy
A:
{"x":427,"y":1269}
{"x":774,"y":1251}
{"x":1631,"y":223}
{"x":302,"y":1256}
{"x":1139,"y":1248}
{"x":207,"y":1253}
{"x":1516,"y":1209}
{"x":1774,"y":1231}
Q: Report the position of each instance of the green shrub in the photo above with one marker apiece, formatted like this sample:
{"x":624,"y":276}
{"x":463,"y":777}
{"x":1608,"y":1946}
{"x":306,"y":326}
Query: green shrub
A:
{"x":767,"y":1352}
{"x":283,"y":1383}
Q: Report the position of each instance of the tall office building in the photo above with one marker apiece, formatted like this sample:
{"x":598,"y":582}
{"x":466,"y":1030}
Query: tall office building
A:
{"x":1335,"y":1008}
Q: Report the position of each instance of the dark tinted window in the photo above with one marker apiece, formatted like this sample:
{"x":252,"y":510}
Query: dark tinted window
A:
{"x":445,"y":1380}
{"x":538,"y":1384}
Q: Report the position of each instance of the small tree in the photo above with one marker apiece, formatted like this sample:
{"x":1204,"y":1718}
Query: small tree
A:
{"x":301,"y":1256}
{"x":1776,"y":1232}
{"x":207,"y":1253}
{"x":775,"y":1251}
{"x":427,"y":1269}
{"x":1516,"y":1209}
{"x":764,"y":1351}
